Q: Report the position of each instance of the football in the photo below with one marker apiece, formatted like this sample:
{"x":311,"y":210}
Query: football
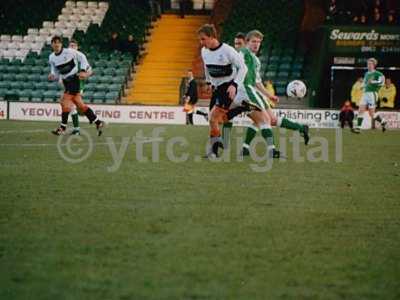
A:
{"x":296,"y":88}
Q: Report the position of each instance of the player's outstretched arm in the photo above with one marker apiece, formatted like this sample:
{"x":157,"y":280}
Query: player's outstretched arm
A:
{"x":263,"y":90}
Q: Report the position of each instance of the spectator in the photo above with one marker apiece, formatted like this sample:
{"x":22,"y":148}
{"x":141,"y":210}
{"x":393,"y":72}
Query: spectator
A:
{"x":376,"y":20}
{"x":190,"y":100}
{"x":131,"y":46}
{"x":270,"y":88}
{"x":332,"y":11}
{"x":363,"y":19}
{"x":357,"y":91}
{"x":356,"y":19}
{"x":346,"y":115}
{"x":114,"y":43}
{"x":182,"y":8}
{"x":387,"y":94}
{"x":390,"y":19}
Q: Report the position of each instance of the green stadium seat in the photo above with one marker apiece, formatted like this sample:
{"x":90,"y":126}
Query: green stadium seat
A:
{"x":36,"y":70}
{"x":4,"y":84}
{"x":24,"y":95}
{"x":87,"y":95}
{"x":120,"y":72}
{"x":270,"y":74}
{"x":272,"y":67}
{"x":33,"y":77}
{"x":108,"y":71}
{"x":37,"y":95}
{"x":90,"y":87}
{"x":101,"y":87}
{"x":297,"y":66}
{"x":12,"y":69}
{"x":284,"y":67}
{"x":21,"y":77}
{"x":25,"y":69}
{"x":3,"y":93}
{"x":118,"y":79}
{"x":15,"y":85}
{"x":280,"y":90}
{"x":40,"y":85}
{"x":52,"y":86}
{"x":115,"y":87}
{"x":295,"y":74}
{"x":283,"y":74}
{"x":11,"y":95}
{"x":93,"y":79}
{"x":98,"y":97}
{"x":286,"y":59}
{"x":51,"y":95}
{"x":111,"y":97}
{"x":105,"y":79}
{"x":274,"y":59}
{"x":27,"y":85}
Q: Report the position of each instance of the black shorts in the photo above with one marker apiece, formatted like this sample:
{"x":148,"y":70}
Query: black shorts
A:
{"x":72,"y":84}
{"x":220,"y":96}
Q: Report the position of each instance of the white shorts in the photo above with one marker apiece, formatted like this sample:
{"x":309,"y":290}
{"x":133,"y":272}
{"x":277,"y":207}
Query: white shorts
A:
{"x":252,"y":95}
{"x":369,"y":99}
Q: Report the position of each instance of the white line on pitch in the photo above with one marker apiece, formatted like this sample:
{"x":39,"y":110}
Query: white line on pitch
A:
{"x":95,"y":144}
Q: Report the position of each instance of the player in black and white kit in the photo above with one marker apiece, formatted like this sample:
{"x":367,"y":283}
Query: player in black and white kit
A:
{"x":225,"y":70}
{"x":64,"y":64}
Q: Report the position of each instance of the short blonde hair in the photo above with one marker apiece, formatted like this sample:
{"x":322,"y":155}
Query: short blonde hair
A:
{"x":254,"y":33}
{"x":208,"y":30}
{"x":373,"y":60}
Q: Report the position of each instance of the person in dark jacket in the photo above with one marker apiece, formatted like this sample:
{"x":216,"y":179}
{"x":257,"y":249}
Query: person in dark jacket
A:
{"x":190,"y":100}
{"x":114,"y":44}
{"x":346,"y":115}
{"x":131,"y":46}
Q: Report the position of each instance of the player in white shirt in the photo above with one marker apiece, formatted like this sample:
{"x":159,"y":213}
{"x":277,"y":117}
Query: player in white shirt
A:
{"x":225,"y":70}
{"x":71,"y":66}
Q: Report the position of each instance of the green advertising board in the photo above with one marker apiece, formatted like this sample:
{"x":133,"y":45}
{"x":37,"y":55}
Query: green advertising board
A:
{"x":367,"y":39}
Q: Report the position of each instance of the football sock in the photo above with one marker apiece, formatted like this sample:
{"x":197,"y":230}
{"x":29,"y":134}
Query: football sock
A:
{"x":286,"y":123}
{"x":202,"y":113}
{"x":250,"y":134}
{"x":190,"y":119}
{"x":268,"y":135}
{"x":214,"y":140}
{"x":89,"y":113}
{"x":75,"y":120}
{"x":64,"y":120}
{"x":226,"y":134}
{"x":378,"y":118}
{"x":359,"y":121}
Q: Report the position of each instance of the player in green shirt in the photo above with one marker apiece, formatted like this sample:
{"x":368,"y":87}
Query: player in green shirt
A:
{"x":255,"y":91}
{"x":373,"y":81}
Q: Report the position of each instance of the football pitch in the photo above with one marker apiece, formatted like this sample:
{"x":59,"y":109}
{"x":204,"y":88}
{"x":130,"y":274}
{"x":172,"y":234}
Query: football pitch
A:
{"x":139,"y":214}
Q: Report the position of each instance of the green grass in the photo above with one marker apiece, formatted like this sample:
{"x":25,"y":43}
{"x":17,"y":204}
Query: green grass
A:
{"x":197,"y":230}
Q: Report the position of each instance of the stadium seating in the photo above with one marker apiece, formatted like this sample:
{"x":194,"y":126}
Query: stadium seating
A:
{"x":24,"y":69}
{"x":170,"y":54}
{"x":281,"y":59}
{"x":197,"y":4}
